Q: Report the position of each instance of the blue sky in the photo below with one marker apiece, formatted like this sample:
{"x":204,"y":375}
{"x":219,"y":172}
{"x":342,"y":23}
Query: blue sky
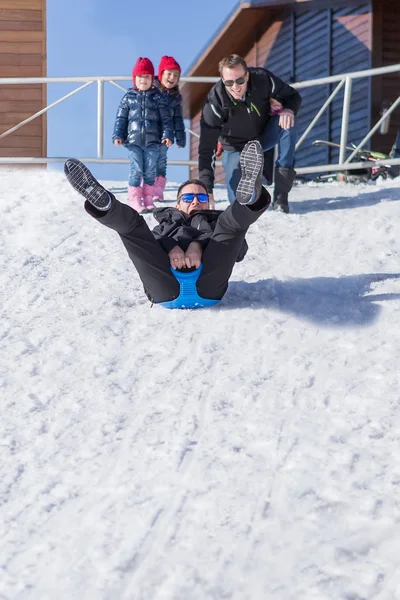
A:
{"x":97,"y":37}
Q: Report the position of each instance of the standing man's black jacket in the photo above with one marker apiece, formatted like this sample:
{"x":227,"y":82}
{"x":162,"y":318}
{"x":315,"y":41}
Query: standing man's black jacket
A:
{"x":177,"y":228}
{"x":236,"y":122}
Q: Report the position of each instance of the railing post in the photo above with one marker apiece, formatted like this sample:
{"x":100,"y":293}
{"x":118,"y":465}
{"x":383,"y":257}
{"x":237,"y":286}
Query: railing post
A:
{"x":375,"y":127}
{"x":318,"y":115}
{"x":345,"y":119}
{"x":100,"y":118}
{"x":345,"y":78}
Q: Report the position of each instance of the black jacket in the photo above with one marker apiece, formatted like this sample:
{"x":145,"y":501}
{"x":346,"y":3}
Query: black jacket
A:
{"x":236,"y":122}
{"x":177,"y":228}
{"x":175,"y":105}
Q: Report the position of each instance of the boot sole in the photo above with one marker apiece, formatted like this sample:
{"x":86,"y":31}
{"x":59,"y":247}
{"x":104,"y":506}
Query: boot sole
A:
{"x":85,"y":184}
{"x":251,"y":164}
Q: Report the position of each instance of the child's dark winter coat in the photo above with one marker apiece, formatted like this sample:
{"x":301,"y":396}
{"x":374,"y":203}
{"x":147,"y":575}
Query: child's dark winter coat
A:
{"x":174,"y":100}
{"x":143,"y":118}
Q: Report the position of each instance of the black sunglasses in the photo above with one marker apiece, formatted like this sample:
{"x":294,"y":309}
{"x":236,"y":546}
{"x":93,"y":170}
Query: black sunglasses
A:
{"x":231,"y":82}
{"x":189,"y":197}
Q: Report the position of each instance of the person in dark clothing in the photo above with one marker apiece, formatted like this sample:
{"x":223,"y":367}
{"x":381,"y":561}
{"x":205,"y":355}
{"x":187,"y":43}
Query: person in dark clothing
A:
{"x":247,"y":104}
{"x":187,"y":237}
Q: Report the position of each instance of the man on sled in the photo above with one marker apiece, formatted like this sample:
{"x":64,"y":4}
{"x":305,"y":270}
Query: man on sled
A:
{"x":187,"y":259}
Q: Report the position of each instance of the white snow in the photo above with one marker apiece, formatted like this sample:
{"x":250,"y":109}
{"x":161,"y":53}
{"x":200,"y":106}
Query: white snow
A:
{"x":248,"y":451}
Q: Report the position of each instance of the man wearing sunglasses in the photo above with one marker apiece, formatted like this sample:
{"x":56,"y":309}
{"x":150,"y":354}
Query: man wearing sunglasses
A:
{"x":188,"y":236}
{"x":248,"y":104}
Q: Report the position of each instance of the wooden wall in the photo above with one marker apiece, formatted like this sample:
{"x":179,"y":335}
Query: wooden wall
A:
{"x":386,"y":51}
{"x":351,"y":42}
{"x":23,"y":54}
{"x":300,"y":43}
{"x":307,"y":44}
{"x":312,"y":60}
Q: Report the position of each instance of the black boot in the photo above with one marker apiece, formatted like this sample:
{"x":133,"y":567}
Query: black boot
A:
{"x":83,"y":182}
{"x":284,"y":178}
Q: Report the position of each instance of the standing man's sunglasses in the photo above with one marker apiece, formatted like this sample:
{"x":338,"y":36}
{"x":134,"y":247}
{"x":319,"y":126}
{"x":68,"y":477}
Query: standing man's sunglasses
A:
{"x":191,"y":196}
{"x":231,"y":82}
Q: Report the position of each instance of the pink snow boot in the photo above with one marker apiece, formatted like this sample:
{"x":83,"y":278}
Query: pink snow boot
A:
{"x":159,"y":187}
{"x":148,"y":193}
{"x":135,"y":195}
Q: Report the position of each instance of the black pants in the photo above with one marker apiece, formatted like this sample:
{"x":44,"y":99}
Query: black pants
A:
{"x":152,"y":262}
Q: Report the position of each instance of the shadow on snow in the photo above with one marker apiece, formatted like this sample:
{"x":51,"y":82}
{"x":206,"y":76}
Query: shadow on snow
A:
{"x":330,"y":301}
{"x":346,"y":202}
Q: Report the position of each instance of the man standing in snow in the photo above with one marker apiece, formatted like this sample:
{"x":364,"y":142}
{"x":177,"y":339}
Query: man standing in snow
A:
{"x":247,"y":104}
{"x":189,"y":236}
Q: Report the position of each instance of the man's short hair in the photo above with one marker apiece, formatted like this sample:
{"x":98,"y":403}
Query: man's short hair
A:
{"x":191,"y":182}
{"x":233,"y":60}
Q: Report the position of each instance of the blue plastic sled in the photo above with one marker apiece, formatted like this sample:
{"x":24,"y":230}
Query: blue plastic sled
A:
{"x":188,"y":296}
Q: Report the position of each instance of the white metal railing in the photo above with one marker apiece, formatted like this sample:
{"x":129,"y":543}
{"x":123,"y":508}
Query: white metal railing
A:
{"x":345,"y":80}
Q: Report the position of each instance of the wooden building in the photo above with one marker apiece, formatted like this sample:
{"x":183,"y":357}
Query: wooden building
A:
{"x":23,"y":54}
{"x":300,"y":40}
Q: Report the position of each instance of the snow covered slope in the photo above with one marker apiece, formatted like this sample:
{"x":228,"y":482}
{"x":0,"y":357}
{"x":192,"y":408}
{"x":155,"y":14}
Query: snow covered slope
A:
{"x":249,"y":451}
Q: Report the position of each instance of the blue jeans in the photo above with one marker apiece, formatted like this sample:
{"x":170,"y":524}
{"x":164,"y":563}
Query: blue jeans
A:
{"x":143,"y":164}
{"x":162,"y":161}
{"x":271,"y":135}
